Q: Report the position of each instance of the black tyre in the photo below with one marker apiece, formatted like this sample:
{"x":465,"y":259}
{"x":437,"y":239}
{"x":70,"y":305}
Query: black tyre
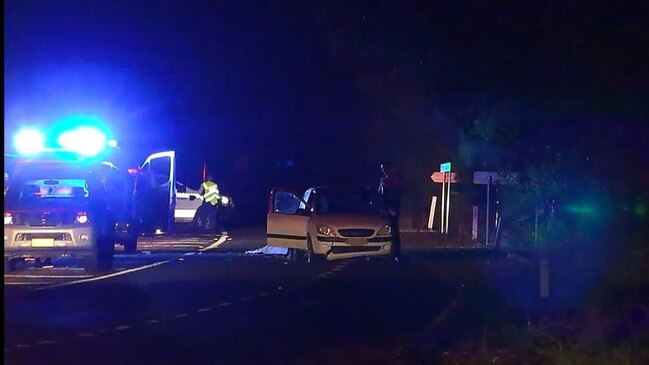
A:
{"x":39,"y":262}
{"x":130,"y":245}
{"x":199,"y":224}
{"x":10,"y":265}
{"x":101,"y":259}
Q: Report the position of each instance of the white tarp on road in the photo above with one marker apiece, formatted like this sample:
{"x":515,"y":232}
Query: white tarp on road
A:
{"x":269,"y":250}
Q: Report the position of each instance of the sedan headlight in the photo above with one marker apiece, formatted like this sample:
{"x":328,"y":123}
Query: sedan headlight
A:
{"x":385,"y":231}
{"x":326,"y":230}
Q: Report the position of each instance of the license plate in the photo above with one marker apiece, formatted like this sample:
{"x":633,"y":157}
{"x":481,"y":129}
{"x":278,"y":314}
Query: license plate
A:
{"x":356,"y":241}
{"x":43,"y":242}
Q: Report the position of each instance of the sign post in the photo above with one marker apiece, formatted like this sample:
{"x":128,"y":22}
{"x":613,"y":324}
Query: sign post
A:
{"x":445,"y":169}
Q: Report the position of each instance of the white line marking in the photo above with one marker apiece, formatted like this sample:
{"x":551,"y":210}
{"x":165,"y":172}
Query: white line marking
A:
{"x":89,"y":334}
{"x":215,"y":244}
{"x":46,"y":342}
{"x":206,"y":309}
{"x":122,"y":328}
{"x":245,"y":298}
{"x":224,"y":304}
{"x":49,"y":276}
{"x":108,"y":276}
{"x":181,"y":315}
{"x":27,"y":283}
{"x":20,"y":346}
{"x":152,"y":321}
{"x":263,"y":294}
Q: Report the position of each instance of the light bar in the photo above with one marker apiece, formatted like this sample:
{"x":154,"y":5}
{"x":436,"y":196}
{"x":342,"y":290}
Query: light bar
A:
{"x":87,"y":141}
{"x":29,"y":142}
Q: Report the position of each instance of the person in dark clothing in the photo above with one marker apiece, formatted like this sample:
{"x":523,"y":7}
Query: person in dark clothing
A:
{"x":390,"y":189}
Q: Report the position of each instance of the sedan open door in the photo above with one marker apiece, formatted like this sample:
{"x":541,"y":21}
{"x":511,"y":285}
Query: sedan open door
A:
{"x":286,"y":223}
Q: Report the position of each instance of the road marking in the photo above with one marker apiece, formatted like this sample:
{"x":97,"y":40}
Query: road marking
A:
{"x":122,"y":328}
{"x":224,"y":304}
{"x":181,"y":315}
{"x":152,"y":321}
{"x":205,"y":309}
{"x":21,"y":346}
{"x":46,"y":342}
{"x":215,"y":244}
{"x":49,"y":276}
{"x":27,"y":283}
{"x":245,"y":298}
{"x":108,"y":276}
{"x":263,"y":294}
{"x":89,"y":334}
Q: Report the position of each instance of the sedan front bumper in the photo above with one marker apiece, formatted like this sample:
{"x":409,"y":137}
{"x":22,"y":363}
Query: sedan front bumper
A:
{"x":335,"y":248}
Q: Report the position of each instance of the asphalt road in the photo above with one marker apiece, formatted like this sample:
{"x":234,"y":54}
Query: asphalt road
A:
{"x":189,"y":300}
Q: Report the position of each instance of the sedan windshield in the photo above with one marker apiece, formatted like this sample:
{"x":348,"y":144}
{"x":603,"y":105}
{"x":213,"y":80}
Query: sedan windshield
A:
{"x":347,"y":202}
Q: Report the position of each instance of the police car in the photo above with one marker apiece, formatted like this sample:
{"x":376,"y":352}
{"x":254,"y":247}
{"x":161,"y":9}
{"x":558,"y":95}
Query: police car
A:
{"x":71,"y":200}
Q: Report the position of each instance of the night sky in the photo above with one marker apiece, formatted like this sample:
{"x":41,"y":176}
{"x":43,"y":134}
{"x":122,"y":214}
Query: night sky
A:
{"x":323,"y":90}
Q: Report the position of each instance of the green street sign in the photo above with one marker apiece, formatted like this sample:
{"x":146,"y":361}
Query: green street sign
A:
{"x":445,"y":167}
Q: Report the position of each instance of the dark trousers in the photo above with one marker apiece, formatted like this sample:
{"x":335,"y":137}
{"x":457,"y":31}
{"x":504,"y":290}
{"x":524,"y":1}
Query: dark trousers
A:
{"x":212,"y":214}
{"x":396,"y":236}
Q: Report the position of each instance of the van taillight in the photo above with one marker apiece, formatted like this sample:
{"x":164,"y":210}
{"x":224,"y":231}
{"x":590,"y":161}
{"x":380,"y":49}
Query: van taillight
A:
{"x":9,"y":219}
{"x":82,"y":218}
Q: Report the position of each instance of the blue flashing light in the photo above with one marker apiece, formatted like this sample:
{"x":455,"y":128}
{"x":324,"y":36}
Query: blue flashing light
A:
{"x":87,"y":141}
{"x":29,"y":141}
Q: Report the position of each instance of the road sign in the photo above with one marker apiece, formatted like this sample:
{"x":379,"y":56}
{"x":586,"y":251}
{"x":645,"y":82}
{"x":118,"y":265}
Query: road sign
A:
{"x":445,"y":167}
{"x":482,"y":178}
{"x":438,"y":177}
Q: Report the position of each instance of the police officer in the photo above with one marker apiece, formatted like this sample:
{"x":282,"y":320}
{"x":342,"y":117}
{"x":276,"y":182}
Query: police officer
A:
{"x":210,"y":192}
{"x":390,"y":189}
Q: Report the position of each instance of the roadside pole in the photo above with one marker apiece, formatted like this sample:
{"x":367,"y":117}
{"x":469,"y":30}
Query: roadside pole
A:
{"x":441,"y":225}
{"x":474,"y":225}
{"x":431,"y":214}
{"x":487,"y":212}
{"x":448,"y":198}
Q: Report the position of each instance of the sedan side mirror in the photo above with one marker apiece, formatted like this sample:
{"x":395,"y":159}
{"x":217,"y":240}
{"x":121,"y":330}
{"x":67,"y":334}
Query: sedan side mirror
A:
{"x":192,"y":197}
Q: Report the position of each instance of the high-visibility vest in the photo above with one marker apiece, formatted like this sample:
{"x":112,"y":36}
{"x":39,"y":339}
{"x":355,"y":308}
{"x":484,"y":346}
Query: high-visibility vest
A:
{"x":210,"y":192}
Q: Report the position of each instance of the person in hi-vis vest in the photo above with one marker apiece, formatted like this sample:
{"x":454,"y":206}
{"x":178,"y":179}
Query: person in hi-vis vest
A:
{"x":211,"y":196}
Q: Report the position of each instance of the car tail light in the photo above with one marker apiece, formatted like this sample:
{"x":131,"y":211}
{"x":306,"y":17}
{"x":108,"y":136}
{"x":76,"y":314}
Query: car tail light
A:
{"x":9,"y":219}
{"x":82,"y":218}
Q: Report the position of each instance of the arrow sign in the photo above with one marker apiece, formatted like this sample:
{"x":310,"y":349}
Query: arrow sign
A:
{"x":445,"y":167}
{"x":482,"y":178}
{"x":438,"y":177}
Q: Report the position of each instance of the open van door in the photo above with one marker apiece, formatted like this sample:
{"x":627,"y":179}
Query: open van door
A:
{"x":155,"y":192}
{"x":286,"y":223}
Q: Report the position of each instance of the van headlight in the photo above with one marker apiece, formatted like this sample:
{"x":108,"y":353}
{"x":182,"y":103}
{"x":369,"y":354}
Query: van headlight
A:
{"x":385,"y":231}
{"x":326,"y":230}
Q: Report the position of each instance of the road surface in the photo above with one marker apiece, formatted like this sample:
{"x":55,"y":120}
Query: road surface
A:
{"x":188,"y":300}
